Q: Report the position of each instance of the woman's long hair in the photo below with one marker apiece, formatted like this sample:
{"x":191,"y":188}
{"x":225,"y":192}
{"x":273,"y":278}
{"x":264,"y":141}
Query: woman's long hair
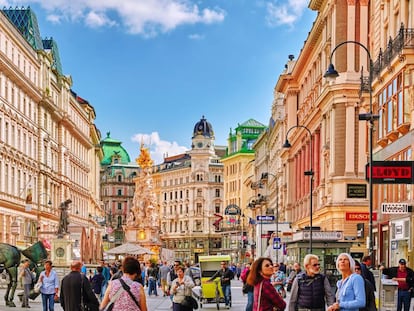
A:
{"x":255,"y":274}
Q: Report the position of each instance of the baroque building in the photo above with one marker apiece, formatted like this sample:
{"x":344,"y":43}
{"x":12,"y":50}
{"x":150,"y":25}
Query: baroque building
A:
{"x":324,"y":170}
{"x":189,"y":190}
{"x":48,"y":139}
{"x":117,"y":176}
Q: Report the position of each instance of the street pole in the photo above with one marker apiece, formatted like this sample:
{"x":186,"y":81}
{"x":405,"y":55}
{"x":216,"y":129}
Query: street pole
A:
{"x":332,"y":74}
{"x":309,"y":173}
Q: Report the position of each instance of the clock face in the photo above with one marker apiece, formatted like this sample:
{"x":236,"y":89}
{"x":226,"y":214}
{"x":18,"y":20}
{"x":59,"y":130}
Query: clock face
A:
{"x":60,"y":252}
{"x":200,"y":144}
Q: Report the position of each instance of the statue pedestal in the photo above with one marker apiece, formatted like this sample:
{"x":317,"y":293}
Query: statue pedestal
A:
{"x":61,"y":251}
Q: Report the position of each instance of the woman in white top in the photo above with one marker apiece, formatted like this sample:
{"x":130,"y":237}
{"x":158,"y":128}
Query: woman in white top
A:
{"x":181,"y":287}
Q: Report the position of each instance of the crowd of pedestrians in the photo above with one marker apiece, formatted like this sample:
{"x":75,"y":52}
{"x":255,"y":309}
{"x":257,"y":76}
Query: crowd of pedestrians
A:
{"x":268,"y":285}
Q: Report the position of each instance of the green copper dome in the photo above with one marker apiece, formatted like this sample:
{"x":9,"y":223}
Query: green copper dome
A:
{"x":113,"y":151}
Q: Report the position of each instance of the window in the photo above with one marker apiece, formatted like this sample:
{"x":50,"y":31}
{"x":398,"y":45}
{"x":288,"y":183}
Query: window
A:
{"x":199,"y":208}
{"x":393,"y":106}
{"x":217,"y":193}
{"x":119,"y":178}
{"x":119,"y":191}
{"x":119,"y":206}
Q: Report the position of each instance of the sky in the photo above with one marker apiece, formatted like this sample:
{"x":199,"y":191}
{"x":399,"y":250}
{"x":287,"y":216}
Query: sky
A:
{"x":152,"y":68}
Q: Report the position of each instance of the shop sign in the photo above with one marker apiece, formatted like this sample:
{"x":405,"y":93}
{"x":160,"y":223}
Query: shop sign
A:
{"x":394,"y":208}
{"x":356,"y":191}
{"x":232,"y":209}
{"x":391,"y":172}
{"x":318,"y":235}
{"x":359,"y":216}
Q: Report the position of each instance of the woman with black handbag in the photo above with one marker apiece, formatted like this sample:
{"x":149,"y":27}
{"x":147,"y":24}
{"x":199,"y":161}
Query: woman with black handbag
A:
{"x":181,"y":288}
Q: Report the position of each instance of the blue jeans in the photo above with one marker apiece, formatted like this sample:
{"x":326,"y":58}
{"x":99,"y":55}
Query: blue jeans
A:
{"x":103,"y":289}
{"x":227,"y":293}
{"x":152,"y":286}
{"x":249,"y":306}
{"x":404,"y":297}
{"x":48,"y":299}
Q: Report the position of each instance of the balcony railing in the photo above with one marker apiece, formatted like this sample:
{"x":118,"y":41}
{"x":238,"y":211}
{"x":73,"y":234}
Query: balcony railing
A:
{"x":404,"y":40}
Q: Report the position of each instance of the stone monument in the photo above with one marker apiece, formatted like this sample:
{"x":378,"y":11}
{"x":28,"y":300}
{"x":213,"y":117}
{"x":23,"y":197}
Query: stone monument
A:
{"x":62,"y":245}
{"x":143,"y":225}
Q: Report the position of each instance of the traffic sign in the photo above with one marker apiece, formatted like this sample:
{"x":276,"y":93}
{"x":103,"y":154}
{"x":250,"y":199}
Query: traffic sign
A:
{"x":276,"y":243}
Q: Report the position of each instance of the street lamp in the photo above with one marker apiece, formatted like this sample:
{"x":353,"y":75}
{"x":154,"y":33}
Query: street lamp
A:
{"x":331,"y":74}
{"x":307,"y":173}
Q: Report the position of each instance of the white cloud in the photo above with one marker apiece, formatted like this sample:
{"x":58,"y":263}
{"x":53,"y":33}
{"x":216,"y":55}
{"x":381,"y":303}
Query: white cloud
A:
{"x":158,"y":148}
{"x":96,"y":20}
{"x":141,"y":17}
{"x":285,"y":12}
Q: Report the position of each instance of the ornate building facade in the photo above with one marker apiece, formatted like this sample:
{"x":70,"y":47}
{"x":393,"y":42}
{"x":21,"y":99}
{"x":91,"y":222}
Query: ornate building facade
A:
{"x":189,"y":189}
{"x":327,"y":138}
{"x":117,"y":189}
{"x":47,"y":137}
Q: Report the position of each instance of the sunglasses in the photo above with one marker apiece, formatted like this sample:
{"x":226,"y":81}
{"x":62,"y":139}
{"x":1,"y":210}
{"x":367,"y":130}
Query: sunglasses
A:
{"x":268,"y":265}
{"x":316,"y":265}
{"x":357,"y":269}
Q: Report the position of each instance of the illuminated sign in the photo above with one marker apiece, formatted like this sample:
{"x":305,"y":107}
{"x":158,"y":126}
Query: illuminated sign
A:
{"x":391,"y":172}
{"x":359,"y":216}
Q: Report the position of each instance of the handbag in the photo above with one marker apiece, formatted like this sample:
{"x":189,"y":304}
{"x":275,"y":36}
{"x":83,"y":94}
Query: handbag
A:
{"x":190,"y":301}
{"x":37,"y":287}
{"x":246,"y":288}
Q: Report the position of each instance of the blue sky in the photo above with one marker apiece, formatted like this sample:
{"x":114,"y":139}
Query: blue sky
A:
{"x":152,"y":68}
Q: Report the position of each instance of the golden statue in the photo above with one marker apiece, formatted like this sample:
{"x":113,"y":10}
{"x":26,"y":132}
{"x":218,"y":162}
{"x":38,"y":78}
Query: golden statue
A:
{"x":144,"y":160}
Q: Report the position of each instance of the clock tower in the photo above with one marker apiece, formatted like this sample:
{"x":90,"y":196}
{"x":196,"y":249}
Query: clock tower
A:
{"x":203,"y":139}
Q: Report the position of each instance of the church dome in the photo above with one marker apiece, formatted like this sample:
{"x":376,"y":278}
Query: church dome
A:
{"x":204,"y":128}
{"x":112,"y":148}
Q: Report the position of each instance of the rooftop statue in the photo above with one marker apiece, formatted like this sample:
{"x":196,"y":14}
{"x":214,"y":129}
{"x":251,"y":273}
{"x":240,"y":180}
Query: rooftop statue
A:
{"x":144,"y":160}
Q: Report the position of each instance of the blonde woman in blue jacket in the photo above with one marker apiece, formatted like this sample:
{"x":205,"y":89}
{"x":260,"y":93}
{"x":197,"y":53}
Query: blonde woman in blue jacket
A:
{"x":350,"y":295}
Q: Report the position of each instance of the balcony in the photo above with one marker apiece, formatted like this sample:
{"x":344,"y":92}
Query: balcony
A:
{"x":404,"y":40}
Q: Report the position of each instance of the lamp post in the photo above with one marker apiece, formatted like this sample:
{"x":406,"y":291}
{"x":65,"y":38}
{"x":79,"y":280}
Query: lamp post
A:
{"x":331,"y":74}
{"x":307,"y":173}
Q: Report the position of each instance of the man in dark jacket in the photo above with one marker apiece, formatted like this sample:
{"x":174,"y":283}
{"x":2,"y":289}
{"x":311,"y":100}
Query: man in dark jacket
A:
{"x":369,"y":290}
{"x":365,"y":272}
{"x":225,"y":275}
{"x":311,"y":290}
{"x":405,"y":278}
{"x":73,"y":284}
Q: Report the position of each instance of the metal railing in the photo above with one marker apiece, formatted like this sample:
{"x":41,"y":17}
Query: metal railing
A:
{"x":404,"y":40}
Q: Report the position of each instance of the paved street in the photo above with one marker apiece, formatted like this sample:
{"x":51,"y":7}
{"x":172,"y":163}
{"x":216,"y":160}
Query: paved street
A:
{"x":154,"y":303}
